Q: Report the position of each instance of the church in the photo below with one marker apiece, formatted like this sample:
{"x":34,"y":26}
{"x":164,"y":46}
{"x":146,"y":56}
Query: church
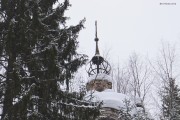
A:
{"x":99,"y":89}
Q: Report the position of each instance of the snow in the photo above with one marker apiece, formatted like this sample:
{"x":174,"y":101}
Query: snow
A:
{"x":0,"y":112}
{"x":136,"y":99}
{"x":100,"y":76}
{"x":34,"y":97}
{"x":109,"y":98}
{"x":118,"y":101}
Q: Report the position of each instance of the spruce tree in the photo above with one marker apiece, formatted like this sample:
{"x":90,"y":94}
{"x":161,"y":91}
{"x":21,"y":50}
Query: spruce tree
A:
{"x":37,"y":55}
{"x":171,"y":101}
{"x":132,"y":112}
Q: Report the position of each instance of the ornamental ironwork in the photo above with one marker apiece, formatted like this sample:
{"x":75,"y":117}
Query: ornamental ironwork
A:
{"x":98,"y":64}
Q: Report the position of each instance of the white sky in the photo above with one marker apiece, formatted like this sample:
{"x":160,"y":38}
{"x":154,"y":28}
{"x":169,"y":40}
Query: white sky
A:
{"x":126,"y":26}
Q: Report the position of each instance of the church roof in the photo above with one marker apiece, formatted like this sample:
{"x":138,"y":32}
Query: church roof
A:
{"x":109,"y":98}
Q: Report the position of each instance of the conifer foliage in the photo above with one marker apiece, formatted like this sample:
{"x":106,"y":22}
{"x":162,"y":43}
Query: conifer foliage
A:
{"x":37,"y":55}
{"x":171,"y":101}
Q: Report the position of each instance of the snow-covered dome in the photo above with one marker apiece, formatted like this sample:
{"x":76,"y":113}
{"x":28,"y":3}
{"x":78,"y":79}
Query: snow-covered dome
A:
{"x":99,"y":82}
{"x":98,"y":70}
{"x":109,"y":98}
{"x":113,"y":104}
{"x":100,"y":76}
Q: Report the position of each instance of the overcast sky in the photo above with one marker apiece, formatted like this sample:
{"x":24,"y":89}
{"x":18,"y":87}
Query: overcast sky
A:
{"x":126,"y":26}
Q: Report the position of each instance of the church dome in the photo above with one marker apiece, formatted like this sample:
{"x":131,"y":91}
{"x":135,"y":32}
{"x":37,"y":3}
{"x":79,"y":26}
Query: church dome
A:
{"x":99,"y":82}
{"x":99,"y":89}
{"x":109,"y":98}
{"x":98,"y":71}
{"x":100,"y":76}
{"x":112,"y":103}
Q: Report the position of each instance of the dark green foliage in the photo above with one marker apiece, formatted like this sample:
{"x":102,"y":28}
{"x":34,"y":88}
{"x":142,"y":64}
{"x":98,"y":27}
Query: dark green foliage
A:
{"x":37,"y":55}
{"x":171,"y":101}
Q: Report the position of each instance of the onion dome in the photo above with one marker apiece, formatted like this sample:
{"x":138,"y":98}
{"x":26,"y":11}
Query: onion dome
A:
{"x":98,"y":71}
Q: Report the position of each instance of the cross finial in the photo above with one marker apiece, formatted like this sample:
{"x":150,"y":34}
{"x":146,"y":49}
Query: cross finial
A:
{"x":97,"y":63}
{"x":96,"y":39}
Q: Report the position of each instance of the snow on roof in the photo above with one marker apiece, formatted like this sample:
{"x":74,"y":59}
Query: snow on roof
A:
{"x":100,"y":76}
{"x":109,"y":98}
